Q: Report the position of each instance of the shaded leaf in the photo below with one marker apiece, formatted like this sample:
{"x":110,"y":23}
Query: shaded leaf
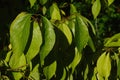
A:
{"x":48,"y":37}
{"x":81,"y":34}
{"x":110,"y":2}
{"x":50,"y":70}
{"x":32,"y":2}
{"x":91,"y":44}
{"x":35,"y":43}
{"x":72,"y":9}
{"x":19,"y":33}
{"x":118,"y":69}
{"x":42,"y":2}
{"x":55,"y":12}
{"x":96,"y":7}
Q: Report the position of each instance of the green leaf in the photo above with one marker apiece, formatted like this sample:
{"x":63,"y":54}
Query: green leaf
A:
{"x":21,"y":65}
{"x":118,"y":69}
{"x":8,"y":56}
{"x":48,"y":37}
{"x":19,"y":34}
{"x":65,"y":29}
{"x":50,"y":70}
{"x":34,"y":74}
{"x":91,"y":25}
{"x":104,"y":65}
{"x":72,"y":26}
{"x":114,"y":41}
{"x":55,"y":12}
{"x":42,"y":2}
{"x":91,"y":44}
{"x":96,"y":7}
{"x":72,"y":9}
{"x":81,"y":34}
{"x":64,"y":74}
{"x":32,"y":2}
{"x":35,"y":43}
{"x":110,"y":2}
{"x":86,"y":72}
{"x":76,"y":60}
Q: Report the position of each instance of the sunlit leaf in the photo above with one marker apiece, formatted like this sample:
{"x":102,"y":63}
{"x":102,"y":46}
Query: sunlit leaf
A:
{"x":65,"y":29}
{"x":72,"y":26}
{"x":96,"y":7}
{"x":55,"y":12}
{"x":94,"y":74}
{"x":42,"y":2}
{"x":76,"y":60}
{"x":8,"y":56}
{"x":64,"y":75}
{"x":32,"y":2}
{"x":50,"y":70}
{"x":110,"y":2}
{"x":104,"y":65}
{"x":86,"y":72}
{"x":81,"y":34}
{"x":19,"y":34}
{"x":35,"y":43}
{"x":91,"y":25}
{"x":48,"y":37}
{"x":114,"y":41}
{"x":34,"y":74}
{"x":21,"y":65}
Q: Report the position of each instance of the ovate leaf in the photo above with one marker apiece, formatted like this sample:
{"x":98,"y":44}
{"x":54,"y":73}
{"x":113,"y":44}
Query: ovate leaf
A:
{"x":21,"y":66}
{"x":100,"y":63}
{"x":48,"y":37}
{"x":65,"y":29}
{"x":42,"y":2}
{"x":32,"y":2}
{"x":110,"y":2}
{"x":55,"y":12}
{"x":107,"y":66}
{"x":104,"y":65}
{"x":35,"y":43}
{"x":19,"y":34}
{"x":81,"y":34}
{"x":96,"y":7}
{"x":50,"y":70}
{"x":34,"y":74}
